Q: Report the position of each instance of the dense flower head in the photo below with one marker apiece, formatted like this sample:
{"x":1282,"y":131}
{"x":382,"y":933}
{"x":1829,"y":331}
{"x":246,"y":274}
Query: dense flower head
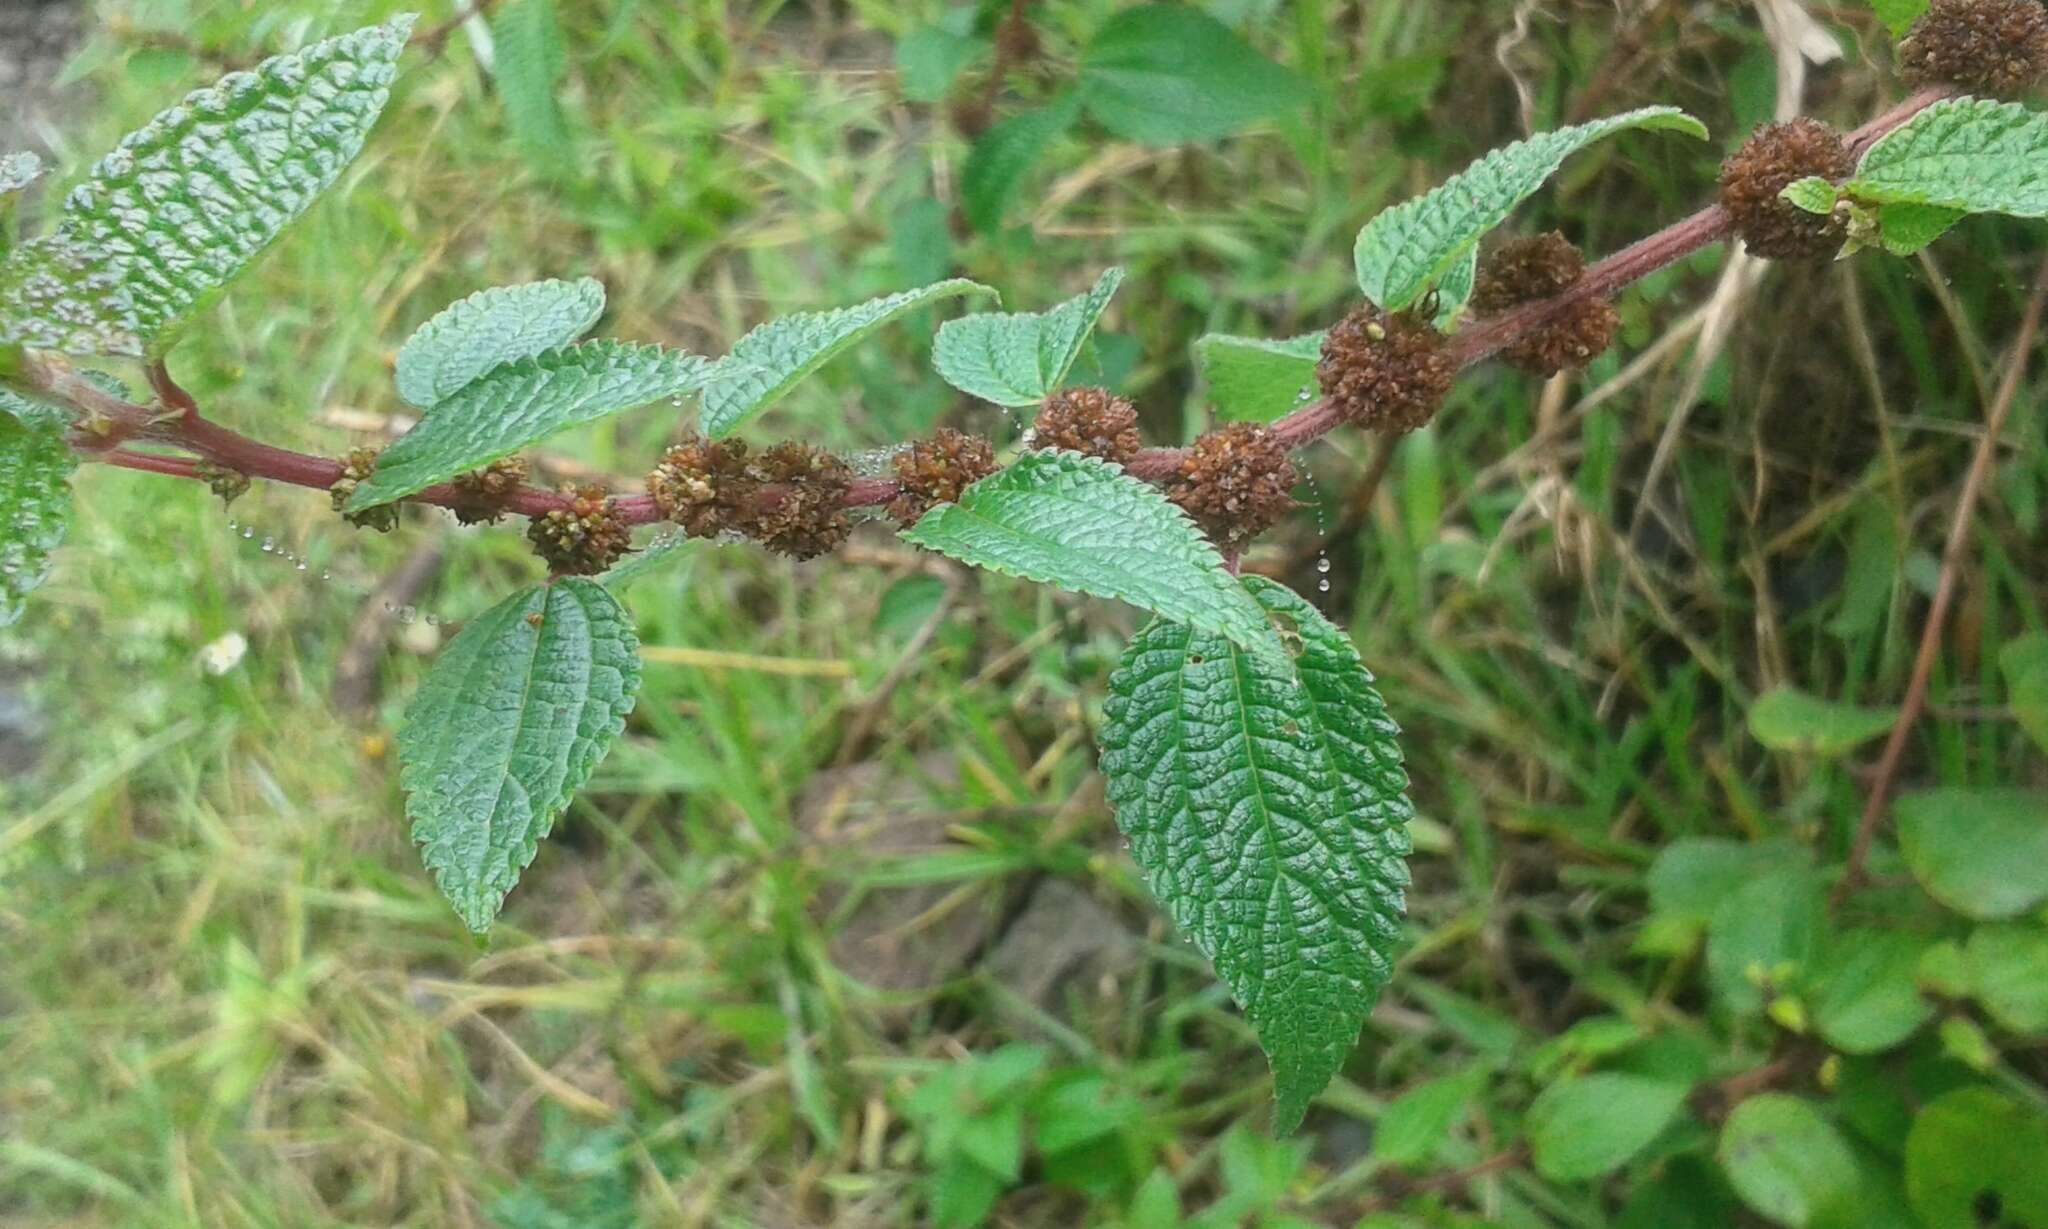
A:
{"x":1094,"y":421}
{"x":934,"y":471}
{"x":1386,"y":371}
{"x":1994,"y":47}
{"x":355,"y":470}
{"x":791,"y":498}
{"x":1537,"y":267}
{"x":584,"y":538}
{"x":1236,"y":482}
{"x":1773,"y":157}
{"x":482,"y":492}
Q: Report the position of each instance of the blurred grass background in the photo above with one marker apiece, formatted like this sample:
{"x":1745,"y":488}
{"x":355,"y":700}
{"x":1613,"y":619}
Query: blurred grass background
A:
{"x":849,"y":886}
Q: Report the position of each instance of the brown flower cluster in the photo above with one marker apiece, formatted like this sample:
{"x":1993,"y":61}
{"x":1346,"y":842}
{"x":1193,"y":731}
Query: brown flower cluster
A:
{"x":1773,"y":157}
{"x":483,"y":492}
{"x":584,"y":538}
{"x":1094,"y":421}
{"x":1537,"y":267}
{"x":935,"y":471}
{"x":791,"y":498}
{"x":1385,"y":371}
{"x":1236,"y":482}
{"x":355,"y":469}
{"x":1994,"y":47}
{"x":229,"y":484}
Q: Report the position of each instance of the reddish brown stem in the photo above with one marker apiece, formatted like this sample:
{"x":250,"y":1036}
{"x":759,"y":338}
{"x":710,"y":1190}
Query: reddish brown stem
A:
{"x":1944,"y":589}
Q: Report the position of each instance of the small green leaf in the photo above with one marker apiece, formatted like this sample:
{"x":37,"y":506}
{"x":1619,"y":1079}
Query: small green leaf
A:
{"x":1763,"y":932}
{"x":1905,"y":228}
{"x":185,"y":204}
{"x":1413,"y":246}
{"x":508,"y":725}
{"x":1968,"y":154}
{"x":35,"y":498}
{"x":1420,"y":1121}
{"x":1002,"y":155}
{"x":1584,"y":1126}
{"x":929,"y":58}
{"x":1812,"y":193}
{"x":1866,"y":993}
{"x":1785,"y":1160}
{"x":469,"y":337}
{"x":1785,"y":719}
{"x":769,"y":360}
{"x":2008,"y":973}
{"x":1265,"y":803}
{"x":1083,"y":524}
{"x":1256,"y":380}
{"x":1017,"y":359}
{"x":1166,"y":73}
{"x":1898,"y":16}
{"x":524,"y":402}
{"x":1981,"y":852}
{"x":2024,"y":662}
{"x":527,"y":68}
{"x":1976,"y":1148}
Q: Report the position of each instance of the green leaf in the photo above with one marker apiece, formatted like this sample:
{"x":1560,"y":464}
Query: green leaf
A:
{"x":1898,"y":16}
{"x":2024,"y":662}
{"x":1257,"y":380}
{"x":469,"y":337}
{"x":769,"y":360}
{"x":35,"y":498}
{"x":1166,"y":73}
{"x":929,"y":58}
{"x":523,"y":402}
{"x":1420,"y":1121}
{"x":1264,"y":802}
{"x":1866,"y":992}
{"x":507,"y":726}
{"x":1002,"y":155}
{"x":1411,"y":247}
{"x":1812,"y":193}
{"x":1785,"y":719}
{"x":1975,"y":1148}
{"x":1785,"y":1160}
{"x":1083,"y":524}
{"x":1905,"y":228}
{"x":527,"y":68}
{"x":2008,"y":973}
{"x":963,"y":1194}
{"x":1981,"y":852}
{"x":1763,"y":931}
{"x":1583,"y":1127}
{"x":1016,"y":359}
{"x":183,"y":205}
{"x":1969,"y":154}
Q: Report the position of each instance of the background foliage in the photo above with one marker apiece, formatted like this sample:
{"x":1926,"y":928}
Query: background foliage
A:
{"x":843,"y":933}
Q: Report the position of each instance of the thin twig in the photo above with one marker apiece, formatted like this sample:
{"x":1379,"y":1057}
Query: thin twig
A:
{"x":1944,"y":589}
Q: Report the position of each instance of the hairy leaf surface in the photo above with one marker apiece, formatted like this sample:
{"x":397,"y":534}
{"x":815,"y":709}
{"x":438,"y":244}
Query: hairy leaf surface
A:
{"x":508,"y":725}
{"x":1016,"y":359}
{"x":35,"y":498}
{"x":1266,"y":805}
{"x":769,"y":361}
{"x":1413,"y":246}
{"x":524,"y":402}
{"x":1083,"y":524}
{"x":470,"y":336}
{"x":184,"y":204}
{"x":1971,"y":154}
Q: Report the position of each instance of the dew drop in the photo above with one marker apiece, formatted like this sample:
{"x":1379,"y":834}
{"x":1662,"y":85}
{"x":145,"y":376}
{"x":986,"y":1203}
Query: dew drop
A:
{"x":1322,"y":563}
{"x":248,"y":533}
{"x":1323,"y":585}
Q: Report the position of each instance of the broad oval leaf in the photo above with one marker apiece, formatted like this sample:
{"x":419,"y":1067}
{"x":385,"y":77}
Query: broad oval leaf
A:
{"x":1082,"y":523}
{"x":1968,"y":154}
{"x":470,"y":336}
{"x":1265,"y":803}
{"x":1785,"y":1159}
{"x":1409,"y":248}
{"x":35,"y":498}
{"x":769,"y":360}
{"x":507,"y":726}
{"x":1584,"y":1126}
{"x":184,"y":204}
{"x":1257,"y":380}
{"x":1005,"y":153}
{"x":1976,"y":1148}
{"x":1981,"y":852}
{"x":1166,"y":73}
{"x":523,"y":402}
{"x":1016,"y":359}
{"x":1787,"y":719}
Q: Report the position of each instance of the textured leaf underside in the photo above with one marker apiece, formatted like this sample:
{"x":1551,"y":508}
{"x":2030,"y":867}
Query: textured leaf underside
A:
{"x":1971,"y":154}
{"x":770,"y":360}
{"x":524,"y":402}
{"x":1083,"y":524}
{"x":469,"y":337}
{"x":185,"y":203}
{"x":1016,"y":359}
{"x":508,"y":725}
{"x":1417,"y":244}
{"x":35,"y":498}
{"x":1266,"y":805}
